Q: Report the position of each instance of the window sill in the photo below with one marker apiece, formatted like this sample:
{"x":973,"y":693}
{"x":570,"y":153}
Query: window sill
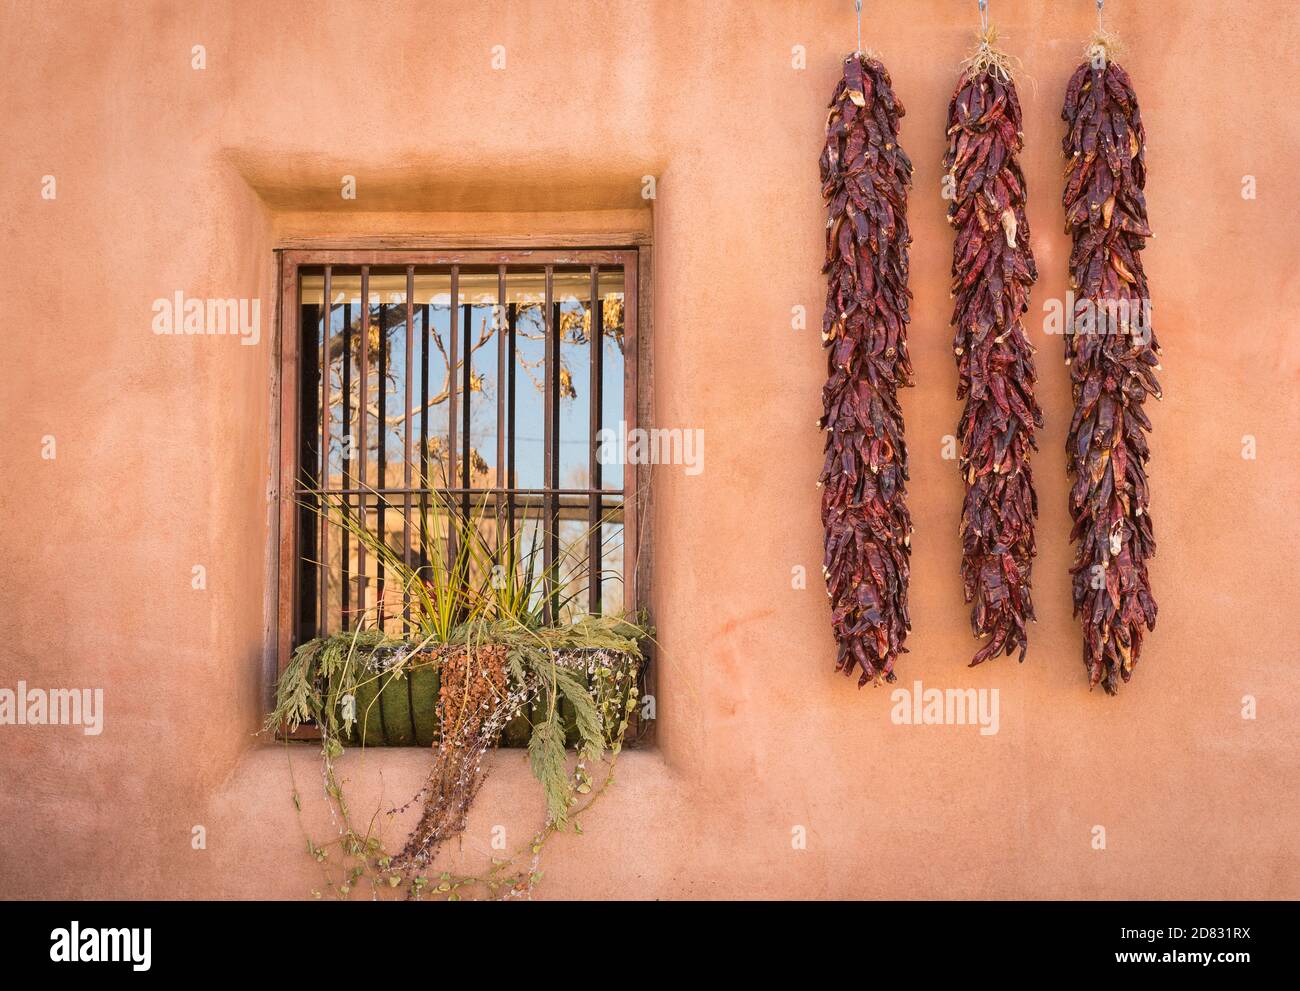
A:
{"x":262,"y":851}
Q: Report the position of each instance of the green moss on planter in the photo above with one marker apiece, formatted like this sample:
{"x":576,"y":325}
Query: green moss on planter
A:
{"x":395,"y":692}
{"x":405,"y":712}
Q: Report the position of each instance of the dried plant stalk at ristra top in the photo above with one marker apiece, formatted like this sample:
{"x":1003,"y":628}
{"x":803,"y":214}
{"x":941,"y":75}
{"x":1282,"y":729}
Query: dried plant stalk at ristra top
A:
{"x":865,"y":178}
{"x":1113,"y":357}
{"x":993,"y":270}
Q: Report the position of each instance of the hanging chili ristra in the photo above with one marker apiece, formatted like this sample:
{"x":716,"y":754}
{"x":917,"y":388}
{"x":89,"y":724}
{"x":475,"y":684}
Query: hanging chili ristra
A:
{"x":865,"y":178}
{"x":993,"y":269}
{"x":1113,"y":357}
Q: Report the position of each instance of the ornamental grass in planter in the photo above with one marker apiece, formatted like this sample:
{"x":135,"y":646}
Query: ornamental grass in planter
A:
{"x":483,"y":662}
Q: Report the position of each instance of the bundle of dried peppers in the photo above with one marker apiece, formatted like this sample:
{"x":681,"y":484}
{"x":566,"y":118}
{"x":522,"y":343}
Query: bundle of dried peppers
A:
{"x":865,"y":178}
{"x":1113,"y":357}
{"x":993,"y":270}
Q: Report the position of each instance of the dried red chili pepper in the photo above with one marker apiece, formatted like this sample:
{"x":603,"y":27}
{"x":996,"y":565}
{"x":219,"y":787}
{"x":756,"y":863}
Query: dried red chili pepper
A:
{"x":1113,"y":357}
{"x":993,"y":269}
{"x":865,"y":178}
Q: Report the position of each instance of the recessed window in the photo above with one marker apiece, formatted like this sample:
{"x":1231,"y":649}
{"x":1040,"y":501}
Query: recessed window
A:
{"x":476,"y":382}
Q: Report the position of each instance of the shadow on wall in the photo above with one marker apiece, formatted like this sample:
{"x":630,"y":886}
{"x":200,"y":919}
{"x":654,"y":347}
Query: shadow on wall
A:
{"x":563,"y":182}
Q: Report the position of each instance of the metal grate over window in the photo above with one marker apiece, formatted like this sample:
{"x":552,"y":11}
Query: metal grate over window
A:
{"x":477,"y":381}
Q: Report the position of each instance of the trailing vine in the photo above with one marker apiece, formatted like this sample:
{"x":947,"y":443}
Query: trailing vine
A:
{"x":511,"y":660}
{"x":490,"y":678}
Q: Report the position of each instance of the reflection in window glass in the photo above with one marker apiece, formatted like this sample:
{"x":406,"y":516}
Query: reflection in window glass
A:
{"x":432,"y":301}
{"x":571,"y":296}
{"x":479,"y":319}
{"x":498,"y":390}
{"x":525,"y":300}
{"x":611,"y":400}
{"x":387,"y":387}
{"x":611,"y":560}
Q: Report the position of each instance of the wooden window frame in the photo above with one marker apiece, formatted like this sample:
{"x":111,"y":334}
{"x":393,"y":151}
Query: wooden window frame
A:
{"x":289,"y":336}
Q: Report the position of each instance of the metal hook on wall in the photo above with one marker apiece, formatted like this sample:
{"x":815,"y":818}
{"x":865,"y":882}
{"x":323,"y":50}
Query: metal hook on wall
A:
{"x":984,"y":15}
{"x":857,"y":7}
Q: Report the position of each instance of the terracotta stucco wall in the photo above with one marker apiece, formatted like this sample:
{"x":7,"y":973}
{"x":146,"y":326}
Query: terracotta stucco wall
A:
{"x":169,"y":178}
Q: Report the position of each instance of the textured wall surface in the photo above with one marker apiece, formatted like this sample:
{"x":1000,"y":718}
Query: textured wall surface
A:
{"x":171,"y":178}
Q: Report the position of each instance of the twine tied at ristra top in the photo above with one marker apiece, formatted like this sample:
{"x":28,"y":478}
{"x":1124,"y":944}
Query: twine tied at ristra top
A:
{"x":989,"y":58}
{"x":1103,"y":46}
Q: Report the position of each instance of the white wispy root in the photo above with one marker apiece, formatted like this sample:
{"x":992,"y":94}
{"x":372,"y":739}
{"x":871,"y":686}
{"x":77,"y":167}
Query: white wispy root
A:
{"x":53,"y":707}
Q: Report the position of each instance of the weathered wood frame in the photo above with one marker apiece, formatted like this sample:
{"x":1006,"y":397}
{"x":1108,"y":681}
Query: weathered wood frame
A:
{"x":383,"y":253}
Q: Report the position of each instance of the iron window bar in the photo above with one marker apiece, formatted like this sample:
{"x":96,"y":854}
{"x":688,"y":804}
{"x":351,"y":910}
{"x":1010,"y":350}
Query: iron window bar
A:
{"x":357,"y":499}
